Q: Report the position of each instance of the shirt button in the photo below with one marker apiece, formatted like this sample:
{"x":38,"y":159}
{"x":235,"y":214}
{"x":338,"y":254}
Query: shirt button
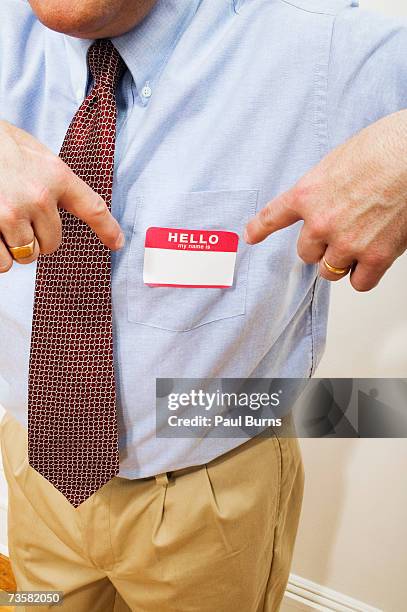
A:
{"x":146,"y":91}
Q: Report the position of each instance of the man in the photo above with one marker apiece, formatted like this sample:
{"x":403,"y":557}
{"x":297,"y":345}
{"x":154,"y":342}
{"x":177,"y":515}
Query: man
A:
{"x":210,"y":110}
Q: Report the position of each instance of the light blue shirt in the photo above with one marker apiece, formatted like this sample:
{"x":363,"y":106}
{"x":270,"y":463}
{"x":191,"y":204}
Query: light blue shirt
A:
{"x":225,"y":105}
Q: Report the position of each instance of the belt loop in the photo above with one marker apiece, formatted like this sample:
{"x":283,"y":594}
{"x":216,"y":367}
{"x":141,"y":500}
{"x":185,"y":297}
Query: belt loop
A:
{"x":162,"y":479}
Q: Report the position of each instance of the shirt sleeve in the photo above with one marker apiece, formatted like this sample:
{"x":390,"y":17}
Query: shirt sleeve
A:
{"x":367,"y":76}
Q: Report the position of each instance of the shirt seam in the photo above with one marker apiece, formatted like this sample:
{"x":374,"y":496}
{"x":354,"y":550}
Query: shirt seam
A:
{"x":315,"y":11}
{"x":321,"y":84}
{"x":313,"y":313}
{"x":328,"y":132}
{"x":323,"y":144}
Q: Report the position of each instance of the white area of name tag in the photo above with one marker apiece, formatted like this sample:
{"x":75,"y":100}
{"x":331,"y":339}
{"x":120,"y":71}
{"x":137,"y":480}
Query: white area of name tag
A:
{"x":189,"y":258}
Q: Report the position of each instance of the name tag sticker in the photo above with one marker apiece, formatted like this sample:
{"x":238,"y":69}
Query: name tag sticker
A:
{"x":189,"y":258}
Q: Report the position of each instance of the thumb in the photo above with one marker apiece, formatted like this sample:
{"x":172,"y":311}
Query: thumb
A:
{"x":82,"y":202}
{"x":276,"y":215}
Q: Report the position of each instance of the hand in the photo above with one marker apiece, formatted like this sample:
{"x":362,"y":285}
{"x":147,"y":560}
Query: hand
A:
{"x":33,"y":184}
{"x":353,"y":204}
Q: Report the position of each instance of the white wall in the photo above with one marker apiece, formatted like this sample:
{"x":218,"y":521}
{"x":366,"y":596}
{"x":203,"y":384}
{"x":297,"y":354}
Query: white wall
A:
{"x":367,"y":332}
{"x":353,"y":530}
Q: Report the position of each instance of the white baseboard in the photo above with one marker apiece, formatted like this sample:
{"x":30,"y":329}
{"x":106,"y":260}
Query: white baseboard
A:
{"x":303,"y":595}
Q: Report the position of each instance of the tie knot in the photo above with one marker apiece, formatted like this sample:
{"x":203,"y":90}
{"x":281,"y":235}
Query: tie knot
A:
{"x":105,"y":64}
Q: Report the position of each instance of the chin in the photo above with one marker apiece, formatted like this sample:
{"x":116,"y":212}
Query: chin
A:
{"x":80,"y":18}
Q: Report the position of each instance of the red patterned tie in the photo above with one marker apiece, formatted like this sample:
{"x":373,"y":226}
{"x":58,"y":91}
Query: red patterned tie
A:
{"x":72,"y":421}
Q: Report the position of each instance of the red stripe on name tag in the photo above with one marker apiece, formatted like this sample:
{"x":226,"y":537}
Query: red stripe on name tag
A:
{"x":191,"y":240}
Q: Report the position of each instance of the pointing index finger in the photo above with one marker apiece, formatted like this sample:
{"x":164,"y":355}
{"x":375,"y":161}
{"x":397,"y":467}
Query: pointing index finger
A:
{"x":82,"y":202}
{"x":276,"y":215}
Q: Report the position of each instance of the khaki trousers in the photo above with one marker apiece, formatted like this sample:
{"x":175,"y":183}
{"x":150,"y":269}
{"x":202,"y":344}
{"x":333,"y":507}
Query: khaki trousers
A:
{"x":217,"y":538}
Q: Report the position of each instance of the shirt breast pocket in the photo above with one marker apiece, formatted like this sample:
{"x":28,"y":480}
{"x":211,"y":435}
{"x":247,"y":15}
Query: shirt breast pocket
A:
{"x":182,"y":309}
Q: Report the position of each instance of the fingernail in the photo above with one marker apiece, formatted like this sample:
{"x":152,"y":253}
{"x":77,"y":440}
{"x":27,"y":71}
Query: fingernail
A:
{"x":120,"y":242}
{"x":246,"y":236}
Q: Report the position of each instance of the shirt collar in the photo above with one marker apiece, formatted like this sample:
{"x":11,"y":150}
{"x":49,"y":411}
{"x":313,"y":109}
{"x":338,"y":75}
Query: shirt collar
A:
{"x":145,"y":49}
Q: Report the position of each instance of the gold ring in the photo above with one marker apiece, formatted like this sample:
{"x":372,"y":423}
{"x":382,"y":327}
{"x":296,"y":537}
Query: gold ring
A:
{"x":22,"y":252}
{"x":338,"y":271}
